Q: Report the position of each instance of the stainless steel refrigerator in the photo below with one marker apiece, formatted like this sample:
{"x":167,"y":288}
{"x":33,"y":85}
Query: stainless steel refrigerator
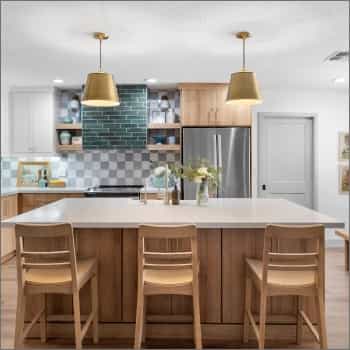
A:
{"x":225,"y":148}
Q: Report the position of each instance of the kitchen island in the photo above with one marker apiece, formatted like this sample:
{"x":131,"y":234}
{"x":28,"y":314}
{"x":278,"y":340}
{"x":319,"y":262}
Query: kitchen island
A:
{"x":229,"y":231}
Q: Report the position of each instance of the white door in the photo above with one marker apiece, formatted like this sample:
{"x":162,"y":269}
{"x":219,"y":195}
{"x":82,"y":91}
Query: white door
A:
{"x":286,"y":158}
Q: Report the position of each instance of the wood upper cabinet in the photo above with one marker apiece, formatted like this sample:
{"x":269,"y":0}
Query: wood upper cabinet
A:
{"x":8,"y":210}
{"x":205,"y":105}
{"x":228,"y":114}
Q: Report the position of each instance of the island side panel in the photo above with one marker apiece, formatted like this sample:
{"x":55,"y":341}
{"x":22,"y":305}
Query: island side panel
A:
{"x":174,"y":307}
{"x":237,"y":244}
{"x":209,"y":250}
{"x":106,"y":246}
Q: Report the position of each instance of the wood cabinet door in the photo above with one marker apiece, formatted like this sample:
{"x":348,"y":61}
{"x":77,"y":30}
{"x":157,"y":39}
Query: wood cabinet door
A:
{"x":228,"y":114}
{"x":189,"y":107}
{"x":207,"y":107}
{"x":8,"y":210}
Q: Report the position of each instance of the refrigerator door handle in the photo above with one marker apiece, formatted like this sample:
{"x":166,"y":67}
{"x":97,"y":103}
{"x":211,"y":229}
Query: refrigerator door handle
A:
{"x":215,"y":151}
{"x":219,"y":166}
{"x":219,"y":151}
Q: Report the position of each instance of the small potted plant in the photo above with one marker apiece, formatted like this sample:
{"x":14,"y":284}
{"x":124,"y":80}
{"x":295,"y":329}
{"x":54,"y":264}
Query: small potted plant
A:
{"x":205,"y":177}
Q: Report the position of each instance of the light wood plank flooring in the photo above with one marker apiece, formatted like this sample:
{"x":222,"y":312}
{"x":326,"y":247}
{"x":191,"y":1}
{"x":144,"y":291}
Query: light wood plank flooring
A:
{"x":337,"y":302}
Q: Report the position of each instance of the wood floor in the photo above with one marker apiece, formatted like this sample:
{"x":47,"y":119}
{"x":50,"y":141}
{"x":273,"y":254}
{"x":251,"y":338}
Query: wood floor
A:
{"x":337,"y":302}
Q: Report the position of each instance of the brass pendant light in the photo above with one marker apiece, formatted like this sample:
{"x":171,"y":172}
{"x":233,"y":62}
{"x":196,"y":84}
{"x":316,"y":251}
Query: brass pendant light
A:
{"x":100,"y":90}
{"x":243,"y":88}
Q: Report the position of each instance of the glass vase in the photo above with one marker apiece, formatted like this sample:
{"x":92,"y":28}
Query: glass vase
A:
{"x":202,"y":193}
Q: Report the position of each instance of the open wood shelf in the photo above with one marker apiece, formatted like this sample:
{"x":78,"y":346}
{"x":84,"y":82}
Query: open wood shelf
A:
{"x":164,"y":126}
{"x":66,"y":148}
{"x":176,"y":148}
{"x":63,"y":126}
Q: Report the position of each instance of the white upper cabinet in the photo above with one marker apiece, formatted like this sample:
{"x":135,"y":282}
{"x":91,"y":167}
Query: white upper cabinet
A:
{"x":32,"y":121}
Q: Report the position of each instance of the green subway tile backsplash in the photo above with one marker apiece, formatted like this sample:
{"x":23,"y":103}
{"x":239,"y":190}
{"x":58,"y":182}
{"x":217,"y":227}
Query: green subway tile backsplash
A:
{"x":121,"y":127}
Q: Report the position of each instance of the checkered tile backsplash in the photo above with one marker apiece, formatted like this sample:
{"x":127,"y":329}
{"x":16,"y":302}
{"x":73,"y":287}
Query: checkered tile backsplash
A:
{"x":93,"y":168}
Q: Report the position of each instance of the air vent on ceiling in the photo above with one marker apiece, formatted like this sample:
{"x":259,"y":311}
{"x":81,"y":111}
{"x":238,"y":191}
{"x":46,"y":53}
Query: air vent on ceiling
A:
{"x":338,"y":56}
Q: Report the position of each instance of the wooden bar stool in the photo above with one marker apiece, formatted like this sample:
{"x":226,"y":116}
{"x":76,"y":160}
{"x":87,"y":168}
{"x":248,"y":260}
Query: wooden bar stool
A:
{"x":345,"y":235}
{"x":167,"y":273}
{"x":299,"y":274}
{"x":50,"y":272}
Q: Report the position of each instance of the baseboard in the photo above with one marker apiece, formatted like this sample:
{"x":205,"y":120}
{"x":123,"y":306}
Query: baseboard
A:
{"x":6,"y":258}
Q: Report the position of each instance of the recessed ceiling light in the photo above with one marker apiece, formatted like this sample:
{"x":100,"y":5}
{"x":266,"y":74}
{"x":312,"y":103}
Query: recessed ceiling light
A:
{"x":58,"y":81}
{"x":339,"y":80}
{"x":151,"y":80}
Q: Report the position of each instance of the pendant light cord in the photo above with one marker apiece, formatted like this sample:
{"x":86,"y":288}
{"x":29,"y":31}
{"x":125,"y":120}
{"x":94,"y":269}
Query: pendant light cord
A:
{"x":243,"y":68}
{"x":100,"y":67}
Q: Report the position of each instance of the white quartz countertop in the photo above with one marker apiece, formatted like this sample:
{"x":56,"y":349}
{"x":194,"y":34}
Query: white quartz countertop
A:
{"x":7,"y":191}
{"x":129,"y":213}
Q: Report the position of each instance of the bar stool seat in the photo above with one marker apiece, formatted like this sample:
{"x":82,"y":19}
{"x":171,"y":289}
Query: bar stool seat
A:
{"x":283,"y":279}
{"x":168,"y":277}
{"x":85,"y":270}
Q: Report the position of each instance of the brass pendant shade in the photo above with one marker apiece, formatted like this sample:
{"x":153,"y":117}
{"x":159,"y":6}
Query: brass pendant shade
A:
{"x":243,"y":88}
{"x":100,"y":89}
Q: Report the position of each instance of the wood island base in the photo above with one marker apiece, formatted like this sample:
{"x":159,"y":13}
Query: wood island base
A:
{"x":222,"y":253}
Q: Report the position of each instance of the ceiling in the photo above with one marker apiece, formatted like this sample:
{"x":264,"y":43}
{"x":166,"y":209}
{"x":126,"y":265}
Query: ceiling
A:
{"x":174,"y":41}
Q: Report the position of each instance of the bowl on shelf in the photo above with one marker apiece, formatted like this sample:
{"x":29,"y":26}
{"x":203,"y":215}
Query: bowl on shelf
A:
{"x":159,"y":139}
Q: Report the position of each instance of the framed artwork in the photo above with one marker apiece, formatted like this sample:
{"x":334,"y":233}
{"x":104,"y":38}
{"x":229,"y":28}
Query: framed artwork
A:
{"x":344,"y":146}
{"x":344,"y":179}
{"x":28,"y":173}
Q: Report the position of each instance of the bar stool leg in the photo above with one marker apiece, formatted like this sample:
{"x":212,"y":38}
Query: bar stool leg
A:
{"x":196,"y":319}
{"x":21,"y":305}
{"x":43,"y":319}
{"x":321,"y":319}
{"x":94,"y":304}
{"x":144,"y":318}
{"x":247,"y":307}
{"x":300,"y":320}
{"x":346,"y":255}
{"x":139,"y":319}
{"x":262,"y":319}
{"x":77,"y":323}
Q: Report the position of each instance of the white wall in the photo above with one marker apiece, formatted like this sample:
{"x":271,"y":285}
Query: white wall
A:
{"x":332,"y":110}
{"x":4,"y":119}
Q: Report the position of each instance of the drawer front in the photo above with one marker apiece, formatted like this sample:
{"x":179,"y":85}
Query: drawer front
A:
{"x":30,"y":201}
